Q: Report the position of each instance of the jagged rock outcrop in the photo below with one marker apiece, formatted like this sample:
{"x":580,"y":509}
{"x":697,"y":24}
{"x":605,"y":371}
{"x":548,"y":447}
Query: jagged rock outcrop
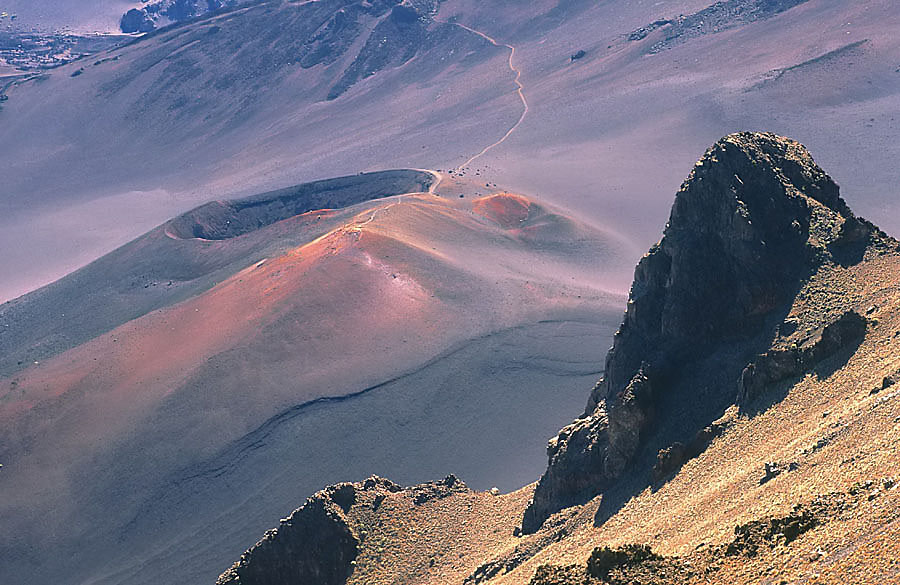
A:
{"x":315,"y":544}
{"x":755,"y":217}
{"x":436,"y":490}
{"x":670,"y":459}
{"x":756,"y":282}
{"x":136,"y":21}
{"x":781,"y":364}
{"x":320,"y":541}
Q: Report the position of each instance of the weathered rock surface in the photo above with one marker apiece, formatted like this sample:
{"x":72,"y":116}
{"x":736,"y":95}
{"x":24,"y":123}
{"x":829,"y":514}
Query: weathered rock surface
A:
{"x":718,"y":17}
{"x":781,"y":364}
{"x":320,"y":541}
{"x":315,"y":544}
{"x":754,"y":219}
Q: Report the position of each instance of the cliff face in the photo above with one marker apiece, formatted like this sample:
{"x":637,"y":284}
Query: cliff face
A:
{"x":754,"y":218}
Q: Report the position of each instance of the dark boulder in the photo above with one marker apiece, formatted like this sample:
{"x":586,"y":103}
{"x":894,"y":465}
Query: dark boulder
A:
{"x":136,"y":21}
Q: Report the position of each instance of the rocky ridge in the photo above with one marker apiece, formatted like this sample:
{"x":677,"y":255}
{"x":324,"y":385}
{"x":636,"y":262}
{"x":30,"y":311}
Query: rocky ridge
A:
{"x":320,"y":541}
{"x":754,"y":219}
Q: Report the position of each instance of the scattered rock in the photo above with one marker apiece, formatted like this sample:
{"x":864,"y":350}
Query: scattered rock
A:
{"x":887,"y":382}
{"x":783,"y":364}
{"x":748,"y":538}
{"x":624,"y":565}
{"x":641,"y":33}
{"x":437,"y":490}
{"x":669,"y":460}
{"x":605,"y":559}
{"x":818,"y":445}
{"x":772,"y":471}
{"x":721,"y":16}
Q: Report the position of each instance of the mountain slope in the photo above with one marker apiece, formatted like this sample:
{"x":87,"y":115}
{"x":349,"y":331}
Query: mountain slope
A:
{"x":775,"y":411}
{"x":267,"y":95}
{"x":249,"y":331}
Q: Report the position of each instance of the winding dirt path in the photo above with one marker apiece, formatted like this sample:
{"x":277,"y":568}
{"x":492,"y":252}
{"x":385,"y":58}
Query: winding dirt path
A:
{"x":520,"y":90}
